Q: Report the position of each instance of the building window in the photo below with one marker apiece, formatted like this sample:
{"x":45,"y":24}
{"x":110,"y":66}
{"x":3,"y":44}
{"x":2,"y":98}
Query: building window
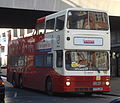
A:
{"x":21,"y":32}
{"x":113,"y":38}
{"x":3,"y":35}
{"x":29,"y":31}
{"x":2,"y":48}
{"x":118,"y":37}
{"x":15,"y":33}
{"x":9,"y":34}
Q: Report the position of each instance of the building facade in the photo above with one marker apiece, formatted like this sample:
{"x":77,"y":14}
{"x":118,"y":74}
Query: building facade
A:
{"x":4,"y":34}
{"x":115,"y":53}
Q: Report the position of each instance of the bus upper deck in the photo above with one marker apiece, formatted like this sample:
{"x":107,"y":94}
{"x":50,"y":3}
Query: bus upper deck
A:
{"x":76,"y":28}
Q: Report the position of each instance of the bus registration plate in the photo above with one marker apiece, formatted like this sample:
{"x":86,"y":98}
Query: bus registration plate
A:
{"x":96,"y":89}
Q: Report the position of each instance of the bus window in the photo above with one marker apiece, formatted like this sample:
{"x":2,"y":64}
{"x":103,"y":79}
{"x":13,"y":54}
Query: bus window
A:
{"x":98,"y":21}
{"x":86,"y":60}
{"x":50,"y":25}
{"x":21,"y":61}
{"x":13,"y":60}
{"x":17,"y":61}
{"x":77,"y":19}
{"x":39,"y":60}
{"x":40,"y":28}
{"x":60,"y":23}
{"x":59,"y":58}
{"x":48,"y":60}
{"x":87,"y":20}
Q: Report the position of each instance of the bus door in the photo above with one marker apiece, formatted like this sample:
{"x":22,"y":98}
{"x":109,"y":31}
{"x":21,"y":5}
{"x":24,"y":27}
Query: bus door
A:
{"x":59,"y":61}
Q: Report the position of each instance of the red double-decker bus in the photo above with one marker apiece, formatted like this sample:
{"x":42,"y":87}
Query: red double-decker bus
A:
{"x":68,"y":52}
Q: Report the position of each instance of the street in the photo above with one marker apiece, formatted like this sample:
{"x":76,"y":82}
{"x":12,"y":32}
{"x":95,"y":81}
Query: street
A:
{"x":14,"y":95}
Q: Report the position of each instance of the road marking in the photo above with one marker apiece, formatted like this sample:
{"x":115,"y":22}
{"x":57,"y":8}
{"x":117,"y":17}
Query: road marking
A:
{"x":15,"y":94}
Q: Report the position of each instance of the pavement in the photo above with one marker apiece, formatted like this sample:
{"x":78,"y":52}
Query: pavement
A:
{"x":115,"y":84}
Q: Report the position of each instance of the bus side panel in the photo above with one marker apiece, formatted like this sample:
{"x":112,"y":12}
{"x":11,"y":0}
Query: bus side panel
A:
{"x":58,"y":82}
{"x":37,"y":77}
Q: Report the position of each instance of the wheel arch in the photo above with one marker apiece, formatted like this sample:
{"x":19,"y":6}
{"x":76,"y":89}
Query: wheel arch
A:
{"x":47,"y":77}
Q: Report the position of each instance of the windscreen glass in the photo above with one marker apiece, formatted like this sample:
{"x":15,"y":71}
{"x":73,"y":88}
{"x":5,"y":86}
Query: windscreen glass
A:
{"x":86,"y":60}
{"x":87,"y":20}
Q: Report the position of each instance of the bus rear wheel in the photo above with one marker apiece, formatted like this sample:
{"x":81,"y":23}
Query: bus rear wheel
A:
{"x":49,"y":86}
{"x":20,"y":82}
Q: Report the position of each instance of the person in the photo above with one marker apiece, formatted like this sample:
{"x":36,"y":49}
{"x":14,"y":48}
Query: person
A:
{"x":82,"y":60}
{"x":85,"y":24}
{"x":92,"y":21}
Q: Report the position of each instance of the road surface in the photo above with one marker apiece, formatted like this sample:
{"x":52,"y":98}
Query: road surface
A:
{"x":14,"y":95}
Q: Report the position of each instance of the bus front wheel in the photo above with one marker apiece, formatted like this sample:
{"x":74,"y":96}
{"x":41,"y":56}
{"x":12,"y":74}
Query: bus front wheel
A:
{"x":49,"y":86}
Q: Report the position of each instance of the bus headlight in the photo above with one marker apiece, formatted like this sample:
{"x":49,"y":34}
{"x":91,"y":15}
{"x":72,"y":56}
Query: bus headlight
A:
{"x":68,"y":83}
{"x":107,"y":83}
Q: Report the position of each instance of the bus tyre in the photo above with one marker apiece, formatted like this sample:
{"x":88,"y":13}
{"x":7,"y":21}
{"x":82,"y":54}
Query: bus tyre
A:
{"x":49,"y":86}
{"x":20,"y":82}
{"x":14,"y":81}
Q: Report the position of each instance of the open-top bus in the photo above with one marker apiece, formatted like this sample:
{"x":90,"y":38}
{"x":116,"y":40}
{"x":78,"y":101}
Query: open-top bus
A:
{"x":68,"y":52}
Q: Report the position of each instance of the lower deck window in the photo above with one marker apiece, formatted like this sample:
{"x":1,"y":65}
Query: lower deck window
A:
{"x":17,"y":60}
{"x":39,"y":60}
{"x":44,"y":60}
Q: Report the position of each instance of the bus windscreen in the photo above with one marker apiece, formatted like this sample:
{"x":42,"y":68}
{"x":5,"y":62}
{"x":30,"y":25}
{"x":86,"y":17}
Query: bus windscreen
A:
{"x":87,"y":20}
{"x":86,"y":60}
